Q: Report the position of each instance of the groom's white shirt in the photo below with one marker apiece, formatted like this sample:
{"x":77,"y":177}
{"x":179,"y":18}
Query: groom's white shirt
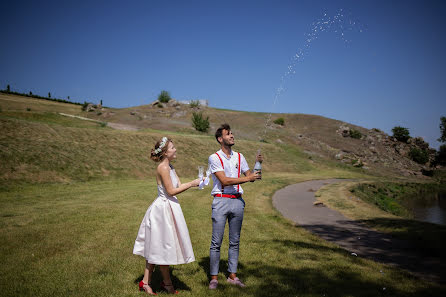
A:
{"x":230,"y":169}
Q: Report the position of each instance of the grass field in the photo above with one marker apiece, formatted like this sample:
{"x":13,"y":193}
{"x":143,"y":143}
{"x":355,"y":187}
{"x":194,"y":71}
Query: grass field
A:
{"x":73,"y":193}
{"x":77,"y":240}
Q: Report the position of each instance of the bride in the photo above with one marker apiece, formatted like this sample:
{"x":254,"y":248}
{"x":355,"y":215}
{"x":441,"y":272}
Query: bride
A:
{"x":163,"y":237}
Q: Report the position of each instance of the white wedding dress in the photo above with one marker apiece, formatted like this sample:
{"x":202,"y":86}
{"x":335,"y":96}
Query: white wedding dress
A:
{"x":163,"y":237}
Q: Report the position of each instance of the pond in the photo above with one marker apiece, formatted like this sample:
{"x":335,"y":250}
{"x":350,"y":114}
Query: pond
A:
{"x":428,"y":207}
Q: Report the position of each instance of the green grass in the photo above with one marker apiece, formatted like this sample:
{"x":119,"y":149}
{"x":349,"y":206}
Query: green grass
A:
{"x":72,"y":196}
{"x":77,"y":240}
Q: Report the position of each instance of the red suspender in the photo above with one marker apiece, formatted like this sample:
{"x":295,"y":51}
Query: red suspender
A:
{"x":222,"y":188}
{"x":238,"y":186}
{"x":221,"y":161}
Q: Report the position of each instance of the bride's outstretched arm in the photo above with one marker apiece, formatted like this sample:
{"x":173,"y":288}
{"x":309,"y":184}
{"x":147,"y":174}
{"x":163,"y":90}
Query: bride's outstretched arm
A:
{"x":164,"y":174}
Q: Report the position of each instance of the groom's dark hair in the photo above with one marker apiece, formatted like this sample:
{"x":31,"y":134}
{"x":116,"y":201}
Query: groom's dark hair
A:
{"x":219,"y":132}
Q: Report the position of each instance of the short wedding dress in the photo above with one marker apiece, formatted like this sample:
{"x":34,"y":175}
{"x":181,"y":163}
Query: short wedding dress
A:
{"x":163,"y":237}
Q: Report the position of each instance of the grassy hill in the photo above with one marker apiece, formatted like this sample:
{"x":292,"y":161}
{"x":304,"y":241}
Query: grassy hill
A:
{"x":41,"y":145}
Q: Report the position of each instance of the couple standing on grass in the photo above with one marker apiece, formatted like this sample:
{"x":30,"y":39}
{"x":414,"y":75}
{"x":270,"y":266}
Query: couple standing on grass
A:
{"x":163,"y":237}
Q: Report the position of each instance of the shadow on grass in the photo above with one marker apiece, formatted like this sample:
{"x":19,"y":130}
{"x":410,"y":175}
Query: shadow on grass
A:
{"x":279,"y":281}
{"x":270,"y":279}
{"x":405,"y":250}
{"x":425,"y":237}
{"x":157,"y":279}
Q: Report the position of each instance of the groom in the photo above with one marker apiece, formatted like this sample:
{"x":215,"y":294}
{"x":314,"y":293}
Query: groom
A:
{"x":226,"y":167}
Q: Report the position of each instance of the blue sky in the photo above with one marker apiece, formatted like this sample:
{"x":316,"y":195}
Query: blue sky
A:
{"x":235,"y":54}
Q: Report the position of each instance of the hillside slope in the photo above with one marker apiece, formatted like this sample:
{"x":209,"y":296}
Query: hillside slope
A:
{"x":39,"y":144}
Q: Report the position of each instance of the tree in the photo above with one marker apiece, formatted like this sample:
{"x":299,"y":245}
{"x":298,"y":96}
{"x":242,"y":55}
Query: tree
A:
{"x":8,"y":88}
{"x":199,"y":122}
{"x":401,"y":133}
{"x":440,"y":158}
{"x":164,"y":97}
{"x":442,"y":129}
{"x":49,"y":95}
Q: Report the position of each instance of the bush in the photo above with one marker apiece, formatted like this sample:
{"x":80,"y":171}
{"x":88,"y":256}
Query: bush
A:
{"x":84,"y":106}
{"x":418,"y":155}
{"x":279,"y":121}
{"x":28,"y":109}
{"x":199,"y":123}
{"x":440,"y":158}
{"x":401,"y":133}
{"x":442,"y":129}
{"x":194,"y":103}
{"x":355,"y":134}
{"x":103,"y":124}
{"x":164,"y":97}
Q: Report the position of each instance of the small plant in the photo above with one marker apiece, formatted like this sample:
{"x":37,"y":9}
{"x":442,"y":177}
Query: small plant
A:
{"x":85,"y":105}
{"x":199,"y":122}
{"x":279,"y":121}
{"x":418,"y":155}
{"x":401,"y":133}
{"x":376,"y":130}
{"x":355,"y":134}
{"x":103,"y":124}
{"x":194,"y":103}
{"x":164,"y":97}
{"x":28,"y":109}
{"x":99,"y":113}
{"x":160,"y":105}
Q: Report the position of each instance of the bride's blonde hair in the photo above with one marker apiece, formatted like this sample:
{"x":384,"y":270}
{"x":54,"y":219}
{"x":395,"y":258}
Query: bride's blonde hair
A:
{"x":156,"y":154}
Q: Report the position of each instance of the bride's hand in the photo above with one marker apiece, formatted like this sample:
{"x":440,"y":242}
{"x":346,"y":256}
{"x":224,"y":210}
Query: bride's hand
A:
{"x":195,"y":182}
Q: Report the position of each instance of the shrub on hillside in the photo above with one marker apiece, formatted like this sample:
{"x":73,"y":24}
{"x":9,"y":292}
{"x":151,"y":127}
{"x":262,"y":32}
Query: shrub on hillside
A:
{"x":279,"y":121}
{"x":440,"y":158}
{"x":164,"y":97}
{"x":199,"y":122}
{"x":418,"y":155}
{"x":401,"y":133}
{"x":355,"y":134}
{"x":442,"y":129}
{"x":194,"y":103}
{"x":84,"y":106}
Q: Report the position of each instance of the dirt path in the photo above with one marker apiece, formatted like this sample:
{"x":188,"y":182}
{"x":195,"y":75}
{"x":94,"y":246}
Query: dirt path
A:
{"x":295,"y":202}
{"x":109,"y":124}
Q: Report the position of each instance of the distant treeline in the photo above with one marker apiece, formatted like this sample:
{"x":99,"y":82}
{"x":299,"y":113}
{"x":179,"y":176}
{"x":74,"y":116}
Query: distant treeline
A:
{"x":30,"y":94}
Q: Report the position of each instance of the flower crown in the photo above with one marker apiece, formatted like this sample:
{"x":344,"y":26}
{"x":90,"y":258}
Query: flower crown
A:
{"x":160,"y":147}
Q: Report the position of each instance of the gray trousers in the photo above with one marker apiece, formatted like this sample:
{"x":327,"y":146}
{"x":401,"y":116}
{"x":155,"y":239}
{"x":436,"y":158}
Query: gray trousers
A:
{"x":223,"y":209}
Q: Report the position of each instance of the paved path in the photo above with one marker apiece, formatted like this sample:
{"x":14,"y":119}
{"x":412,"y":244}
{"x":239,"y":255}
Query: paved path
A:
{"x":295,"y":202}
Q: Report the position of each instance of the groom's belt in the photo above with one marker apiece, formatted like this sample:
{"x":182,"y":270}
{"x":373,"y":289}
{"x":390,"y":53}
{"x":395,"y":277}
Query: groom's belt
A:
{"x":238,"y":195}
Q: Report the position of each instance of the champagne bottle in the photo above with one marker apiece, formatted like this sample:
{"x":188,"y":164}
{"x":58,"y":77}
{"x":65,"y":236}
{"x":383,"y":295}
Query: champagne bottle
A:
{"x":258,"y":166}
